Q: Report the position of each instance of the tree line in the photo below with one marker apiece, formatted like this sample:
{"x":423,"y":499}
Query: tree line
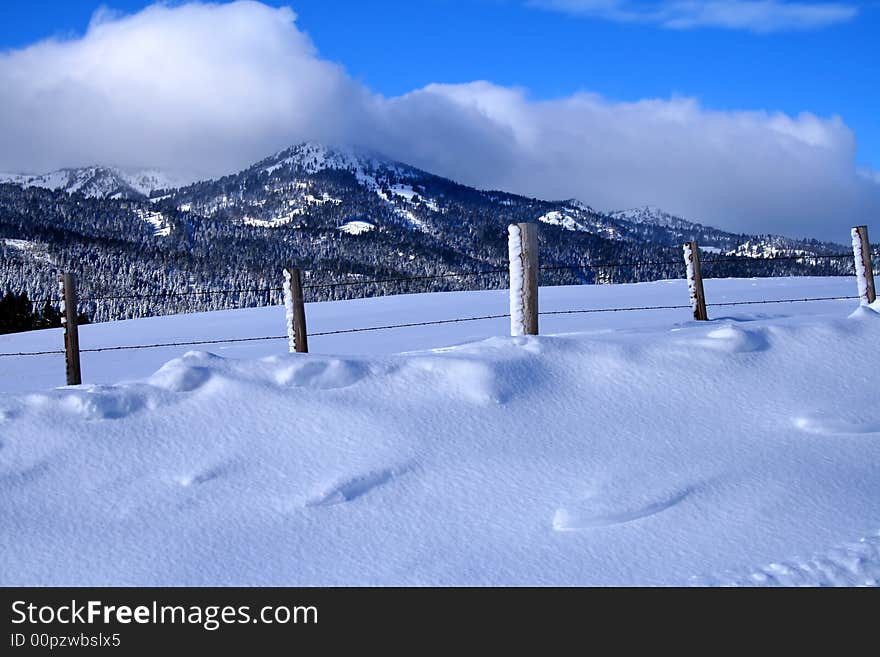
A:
{"x":18,"y":313}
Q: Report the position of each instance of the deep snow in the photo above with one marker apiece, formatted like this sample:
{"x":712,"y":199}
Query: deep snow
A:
{"x":643,"y":449}
{"x":38,"y":373}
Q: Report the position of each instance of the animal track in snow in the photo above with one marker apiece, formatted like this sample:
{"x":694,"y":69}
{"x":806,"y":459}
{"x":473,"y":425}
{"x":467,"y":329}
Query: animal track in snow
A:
{"x":204,"y":476}
{"x":605,"y":510}
{"x":25,"y":475}
{"x":826,"y":426}
{"x":353,"y":488}
{"x":851,"y":564}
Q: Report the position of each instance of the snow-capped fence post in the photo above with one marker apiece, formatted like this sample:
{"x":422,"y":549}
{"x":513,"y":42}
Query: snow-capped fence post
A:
{"x":71,"y":328}
{"x":522,"y":246}
{"x":864,"y":268}
{"x":695,"y":281}
{"x":295,"y":311}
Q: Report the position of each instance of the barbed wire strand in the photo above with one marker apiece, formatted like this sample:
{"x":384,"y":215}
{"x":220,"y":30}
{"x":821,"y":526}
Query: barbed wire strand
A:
{"x":407,"y":278}
{"x":427,"y":323}
{"x":664,"y":263}
{"x":610,"y":310}
{"x":150,"y":295}
{"x":411,"y":324}
{"x":753,"y":303}
{"x":682,"y":307}
{"x":269,"y":337}
{"x":747,"y":259}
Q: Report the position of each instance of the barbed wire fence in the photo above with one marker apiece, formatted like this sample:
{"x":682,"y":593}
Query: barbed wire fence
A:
{"x":858,"y":264}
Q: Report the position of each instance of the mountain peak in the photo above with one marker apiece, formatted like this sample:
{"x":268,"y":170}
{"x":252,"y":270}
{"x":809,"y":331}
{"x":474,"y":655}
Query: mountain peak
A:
{"x":652,"y":215}
{"x":97,"y":181}
{"x":311,"y":156}
{"x":579,"y":205}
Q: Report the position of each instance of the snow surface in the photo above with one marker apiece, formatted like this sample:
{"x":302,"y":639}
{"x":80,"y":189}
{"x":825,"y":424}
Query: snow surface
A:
{"x":576,"y":216}
{"x":35,"y":250}
{"x":643,"y":449}
{"x":159,"y":222}
{"x":402,"y":212}
{"x":412,"y":219}
{"x":275,"y":222}
{"x":558,"y":218}
{"x":356,"y":227}
{"x":407,"y":192}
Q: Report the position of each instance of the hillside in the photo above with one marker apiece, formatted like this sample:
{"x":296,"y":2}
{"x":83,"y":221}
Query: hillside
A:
{"x":343,"y":215}
{"x":665,"y":452}
{"x":98,"y":181}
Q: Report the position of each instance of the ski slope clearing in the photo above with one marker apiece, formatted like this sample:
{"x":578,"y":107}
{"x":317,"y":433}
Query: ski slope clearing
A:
{"x":617,"y":449}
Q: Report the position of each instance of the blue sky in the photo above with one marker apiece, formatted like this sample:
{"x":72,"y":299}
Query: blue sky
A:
{"x":394,"y":46}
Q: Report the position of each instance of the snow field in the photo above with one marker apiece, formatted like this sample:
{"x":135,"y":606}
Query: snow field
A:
{"x":737,"y":451}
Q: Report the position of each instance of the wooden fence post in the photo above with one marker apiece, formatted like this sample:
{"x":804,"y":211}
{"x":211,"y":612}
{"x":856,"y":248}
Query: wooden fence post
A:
{"x":695,"y":281}
{"x":295,"y":307}
{"x":522,"y":245}
{"x":864,"y":267}
{"x":71,"y":328}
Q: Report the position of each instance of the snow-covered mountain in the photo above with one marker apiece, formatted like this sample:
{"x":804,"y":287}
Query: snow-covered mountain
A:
{"x":312,"y":157}
{"x":99,"y":181}
{"x":311,"y":179}
{"x":658,"y":224}
{"x":289,"y":170}
{"x":359,"y":189}
{"x":576,"y":216}
{"x":338,"y":213}
{"x":653,"y":216}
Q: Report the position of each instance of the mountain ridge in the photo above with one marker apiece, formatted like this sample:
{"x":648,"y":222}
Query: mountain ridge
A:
{"x":388,"y":179}
{"x":344,"y":218}
{"x":98,"y":181}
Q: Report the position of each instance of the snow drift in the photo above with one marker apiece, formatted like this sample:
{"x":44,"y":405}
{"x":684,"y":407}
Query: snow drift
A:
{"x":738,"y":451}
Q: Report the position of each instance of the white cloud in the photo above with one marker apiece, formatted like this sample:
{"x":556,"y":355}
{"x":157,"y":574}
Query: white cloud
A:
{"x":753,"y":15}
{"x":199,"y":85}
{"x":213,"y":88}
{"x":748,"y":171}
